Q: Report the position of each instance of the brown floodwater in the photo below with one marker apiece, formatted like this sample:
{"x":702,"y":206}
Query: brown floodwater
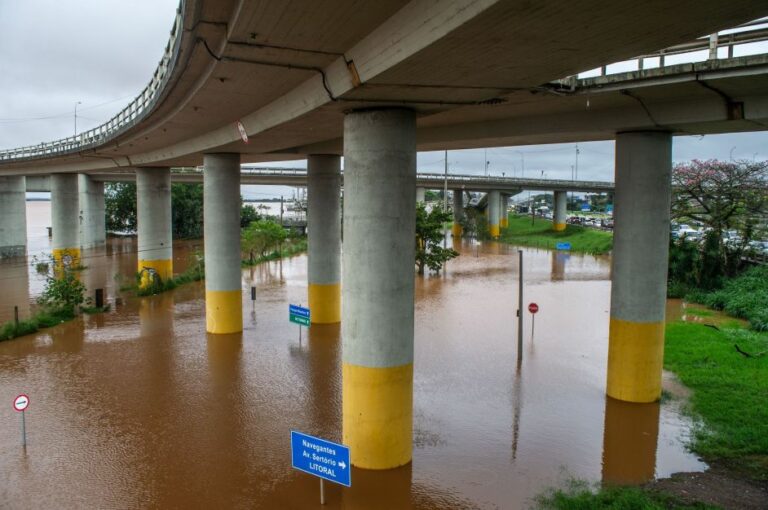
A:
{"x":140,"y":408}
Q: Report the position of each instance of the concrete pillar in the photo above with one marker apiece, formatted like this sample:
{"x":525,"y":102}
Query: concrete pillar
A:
{"x":153,"y":215}
{"x":324,"y":237}
{"x":503,"y":215}
{"x":639,"y":265}
{"x":558,"y":217}
{"x":494,"y":208}
{"x":93,"y":228}
{"x":65,"y":219}
{"x":378,"y":286}
{"x":421,"y":194}
{"x":458,"y":212}
{"x":221,"y":228}
{"x":13,"y":216}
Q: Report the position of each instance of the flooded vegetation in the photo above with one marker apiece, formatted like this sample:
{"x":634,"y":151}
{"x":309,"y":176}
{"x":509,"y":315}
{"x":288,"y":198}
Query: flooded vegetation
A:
{"x":139,"y":407}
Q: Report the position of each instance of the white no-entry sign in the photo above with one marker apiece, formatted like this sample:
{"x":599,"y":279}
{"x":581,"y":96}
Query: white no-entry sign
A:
{"x":21,"y":402}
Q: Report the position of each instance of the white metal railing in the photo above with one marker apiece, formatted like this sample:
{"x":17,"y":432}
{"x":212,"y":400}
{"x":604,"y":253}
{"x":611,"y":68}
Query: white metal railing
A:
{"x":422,"y":177}
{"x":125,"y":119}
{"x":747,"y":33}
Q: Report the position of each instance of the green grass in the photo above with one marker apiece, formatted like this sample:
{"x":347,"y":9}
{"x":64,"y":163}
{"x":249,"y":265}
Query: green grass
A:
{"x":580,"y":495}
{"x":288,"y":249}
{"x":41,"y":319}
{"x":745,"y":297}
{"x":582,"y":239}
{"x":699,"y":312}
{"x":730,"y":392}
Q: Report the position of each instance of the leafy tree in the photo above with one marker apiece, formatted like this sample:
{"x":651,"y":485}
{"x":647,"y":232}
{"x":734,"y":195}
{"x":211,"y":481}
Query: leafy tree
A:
{"x":248,"y":214}
{"x":63,"y":292}
{"x":721,"y":195}
{"x":187,"y":210}
{"x":429,"y":236}
{"x":120,"y":204}
{"x":261,"y":237}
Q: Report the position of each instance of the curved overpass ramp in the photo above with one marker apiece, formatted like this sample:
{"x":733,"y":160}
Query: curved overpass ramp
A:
{"x":473,"y":71}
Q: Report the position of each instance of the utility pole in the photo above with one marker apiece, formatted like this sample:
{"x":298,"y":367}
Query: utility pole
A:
{"x":77,"y":103}
{"x":577,"y":162}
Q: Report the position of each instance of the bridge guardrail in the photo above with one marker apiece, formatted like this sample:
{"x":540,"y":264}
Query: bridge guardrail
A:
{"x":123,"y":120}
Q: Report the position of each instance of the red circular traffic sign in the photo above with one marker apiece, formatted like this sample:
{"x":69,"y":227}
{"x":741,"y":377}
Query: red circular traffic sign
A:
{"x":21,"y":402}
{"x":533,"y":308}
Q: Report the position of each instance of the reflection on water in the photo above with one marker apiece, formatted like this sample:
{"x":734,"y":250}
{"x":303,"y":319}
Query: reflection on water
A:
{"x":140,"y":407}
{"x":629,"y":442}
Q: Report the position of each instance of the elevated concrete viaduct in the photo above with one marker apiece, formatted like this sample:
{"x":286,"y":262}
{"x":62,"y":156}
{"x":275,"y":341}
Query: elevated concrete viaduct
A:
{"x":265,"y":81}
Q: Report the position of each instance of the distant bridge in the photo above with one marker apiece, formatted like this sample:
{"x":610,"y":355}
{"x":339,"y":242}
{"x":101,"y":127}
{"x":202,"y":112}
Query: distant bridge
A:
{"x":298,"y":177}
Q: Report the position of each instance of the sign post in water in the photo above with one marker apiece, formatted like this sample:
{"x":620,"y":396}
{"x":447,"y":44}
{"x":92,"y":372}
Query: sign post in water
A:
{"x":20,"y":405}
{"x":298,"y":315}
{"x":533,"y":308}
{"x":321,"y":458}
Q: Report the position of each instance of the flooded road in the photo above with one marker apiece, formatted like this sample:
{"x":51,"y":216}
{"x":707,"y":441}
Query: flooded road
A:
{"x":140,"y":408}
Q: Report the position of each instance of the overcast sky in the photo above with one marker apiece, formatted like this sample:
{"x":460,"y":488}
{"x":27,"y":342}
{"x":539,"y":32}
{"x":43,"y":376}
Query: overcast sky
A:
{"x":101,"y":53}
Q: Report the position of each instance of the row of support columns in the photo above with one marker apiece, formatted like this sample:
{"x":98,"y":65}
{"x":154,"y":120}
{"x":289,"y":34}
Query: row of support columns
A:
{"x":376,"y":298}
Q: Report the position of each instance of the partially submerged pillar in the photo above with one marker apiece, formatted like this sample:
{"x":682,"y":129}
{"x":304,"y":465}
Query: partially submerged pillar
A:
{"x":13,"y":216}
{"x":503,"y":213}
{"x":221,"y":228}
{"x":153,"y":215}
{"x":324,"y":237}
{"x":494,"y":211}
{"x":93,"y":228}
{"x":378,"y":286}
{"x":458,"y":212}
{"x":65,"y":220}
{"x":639,"y":265}
{"x":558,"y":216}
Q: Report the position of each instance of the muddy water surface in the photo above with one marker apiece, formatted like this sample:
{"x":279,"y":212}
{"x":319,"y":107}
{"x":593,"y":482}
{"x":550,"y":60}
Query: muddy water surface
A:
{"x":140,"y":408}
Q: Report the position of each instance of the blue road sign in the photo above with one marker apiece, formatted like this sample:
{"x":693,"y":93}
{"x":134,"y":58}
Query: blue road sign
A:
{"x":298,"y":310}
{"x":321,"y":458}
{"x":563,"y":246}
{"x":586,"y":208}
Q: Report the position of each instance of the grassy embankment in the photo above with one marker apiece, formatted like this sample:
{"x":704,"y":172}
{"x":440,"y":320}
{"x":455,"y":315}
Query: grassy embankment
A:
{"x":39,"y":320}
{"x":540,"y":234}
{"x":730,"y":391}
{"x":579,"y":495}
{"x":745,"y":297}
{"x":196,"y":270}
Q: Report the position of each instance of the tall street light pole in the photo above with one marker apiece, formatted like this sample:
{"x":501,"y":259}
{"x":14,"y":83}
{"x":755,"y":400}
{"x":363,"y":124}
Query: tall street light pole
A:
{"x":77,"y":103}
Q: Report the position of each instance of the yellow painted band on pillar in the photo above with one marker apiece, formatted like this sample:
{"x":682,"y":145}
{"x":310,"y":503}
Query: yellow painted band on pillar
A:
{"x":378,"y":415}
{"x":558,"y":227}
{"x":71,"y":255}
{"x":325,"y":303}
{"x":457,"y":230}
{"x":635,"y":357}
{"x":504,"y":222}
{"x":494,"y":230}
{"x":223,"y":311}
{"x":163,"y":268}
